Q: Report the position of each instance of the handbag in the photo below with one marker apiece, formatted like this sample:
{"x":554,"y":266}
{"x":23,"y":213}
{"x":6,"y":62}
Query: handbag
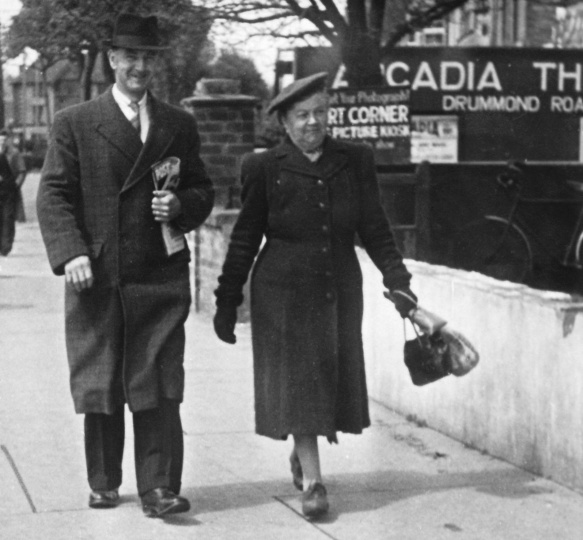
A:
{"x":462,"y":356}
{"x":426,"y":357}
{"x":437,"y":349}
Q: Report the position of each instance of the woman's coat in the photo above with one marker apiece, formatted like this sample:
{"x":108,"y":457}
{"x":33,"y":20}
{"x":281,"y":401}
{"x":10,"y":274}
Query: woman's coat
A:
{"x":306,"y":289}
{"x":125,"y":335}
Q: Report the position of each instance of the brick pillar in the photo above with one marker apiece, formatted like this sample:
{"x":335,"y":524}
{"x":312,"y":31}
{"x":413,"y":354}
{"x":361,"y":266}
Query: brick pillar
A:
{"x":226,"y":123}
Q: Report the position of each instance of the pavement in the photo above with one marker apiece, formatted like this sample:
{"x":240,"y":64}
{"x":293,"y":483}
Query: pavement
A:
{"x":399,"y":480}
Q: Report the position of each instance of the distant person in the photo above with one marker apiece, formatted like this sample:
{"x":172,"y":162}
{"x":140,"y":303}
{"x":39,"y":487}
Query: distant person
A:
{"x":127,"y":293}
{"x":18,"y":167}
{"x":309,"y":197}
{"x":8,"y":198}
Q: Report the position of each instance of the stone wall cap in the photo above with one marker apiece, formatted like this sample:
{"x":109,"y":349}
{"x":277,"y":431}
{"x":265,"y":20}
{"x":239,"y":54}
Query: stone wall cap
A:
{"x":220,"y":99}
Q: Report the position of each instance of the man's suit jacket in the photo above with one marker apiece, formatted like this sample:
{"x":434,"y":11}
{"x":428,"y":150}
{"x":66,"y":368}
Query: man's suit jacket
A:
{"x":125,"y":337}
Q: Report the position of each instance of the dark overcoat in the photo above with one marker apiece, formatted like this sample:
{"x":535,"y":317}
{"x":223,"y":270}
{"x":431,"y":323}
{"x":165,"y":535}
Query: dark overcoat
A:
{"x":306,"y":289}
{"x":125,"y":335}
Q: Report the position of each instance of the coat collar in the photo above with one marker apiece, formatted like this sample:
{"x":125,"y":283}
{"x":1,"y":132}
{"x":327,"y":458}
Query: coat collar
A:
{"x":333,"y":159}
{"x":120,"y":134}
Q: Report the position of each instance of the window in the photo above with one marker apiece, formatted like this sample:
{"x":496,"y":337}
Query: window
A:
{"x":434,"y":35}
{"x":38,"y":116}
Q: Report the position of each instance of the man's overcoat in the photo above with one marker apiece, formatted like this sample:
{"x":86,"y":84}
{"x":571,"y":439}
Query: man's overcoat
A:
{"x":125,"y":335}
{"x":306,"y":289}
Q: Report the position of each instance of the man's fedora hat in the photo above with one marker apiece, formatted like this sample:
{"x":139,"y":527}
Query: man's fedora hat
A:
{"x":135,"y":32}
{"x":297,"y":90}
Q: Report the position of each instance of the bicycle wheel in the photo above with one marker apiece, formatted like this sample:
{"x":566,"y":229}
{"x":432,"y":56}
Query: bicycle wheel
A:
{"x":492,"y":247}
{"x":579,"y":252}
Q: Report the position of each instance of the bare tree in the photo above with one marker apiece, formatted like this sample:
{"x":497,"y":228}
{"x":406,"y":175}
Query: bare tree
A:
{"x":75,"y":30}
{"x":362,"y":31}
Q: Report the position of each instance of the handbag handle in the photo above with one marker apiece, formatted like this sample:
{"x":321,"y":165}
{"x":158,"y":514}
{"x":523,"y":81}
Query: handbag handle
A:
{"x":418,"y":334}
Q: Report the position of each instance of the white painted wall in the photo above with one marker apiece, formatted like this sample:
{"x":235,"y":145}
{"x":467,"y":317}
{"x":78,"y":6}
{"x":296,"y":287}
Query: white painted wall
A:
{"x":524,"y":400}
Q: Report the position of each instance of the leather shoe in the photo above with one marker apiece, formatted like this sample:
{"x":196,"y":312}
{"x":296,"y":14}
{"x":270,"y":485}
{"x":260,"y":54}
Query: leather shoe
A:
{"x":296,"y":470}
{"x":103,"y":499}
{"x":160,"y":502}
{"x":315,"y":501}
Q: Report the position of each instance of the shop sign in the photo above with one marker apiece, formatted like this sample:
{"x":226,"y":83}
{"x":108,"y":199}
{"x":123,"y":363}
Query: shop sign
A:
{"x":511,"y":103}
{"x":497,"y":80}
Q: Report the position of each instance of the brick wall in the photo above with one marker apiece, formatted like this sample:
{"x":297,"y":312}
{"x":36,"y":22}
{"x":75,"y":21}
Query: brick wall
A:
{"x":227,"y":130}
{"x":210,"y":247}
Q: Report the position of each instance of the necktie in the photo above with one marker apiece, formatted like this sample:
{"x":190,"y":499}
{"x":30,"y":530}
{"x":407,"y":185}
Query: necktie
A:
{"x":136,"y":119}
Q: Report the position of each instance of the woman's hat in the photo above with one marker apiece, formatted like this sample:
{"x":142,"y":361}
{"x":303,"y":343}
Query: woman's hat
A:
{"x":295,"y":91}
{"x":136,"y":32}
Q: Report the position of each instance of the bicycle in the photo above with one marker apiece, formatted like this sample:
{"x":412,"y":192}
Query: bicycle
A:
{"x":502,"y":246}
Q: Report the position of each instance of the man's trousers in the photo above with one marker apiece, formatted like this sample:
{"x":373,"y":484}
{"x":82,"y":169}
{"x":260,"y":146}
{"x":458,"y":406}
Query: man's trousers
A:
{"x":158,"y":448}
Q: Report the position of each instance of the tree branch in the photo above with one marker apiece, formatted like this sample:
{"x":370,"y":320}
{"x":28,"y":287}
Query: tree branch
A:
{"x":256,"y":20}
{"x":314,"y":15}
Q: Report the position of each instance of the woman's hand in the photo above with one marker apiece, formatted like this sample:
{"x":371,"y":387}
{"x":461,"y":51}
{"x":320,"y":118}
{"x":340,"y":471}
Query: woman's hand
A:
{"x":405,"y":301}
{"x":224,"y":322}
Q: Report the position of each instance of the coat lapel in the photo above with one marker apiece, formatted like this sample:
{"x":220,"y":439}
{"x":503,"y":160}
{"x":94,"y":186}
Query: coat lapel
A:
{"x":334,"y":158}
{"x":160,"y":137}
{"x":116,"y":129}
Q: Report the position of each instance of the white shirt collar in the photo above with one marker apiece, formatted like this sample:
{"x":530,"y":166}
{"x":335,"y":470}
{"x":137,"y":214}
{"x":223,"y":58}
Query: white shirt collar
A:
{"x":124,"y":101}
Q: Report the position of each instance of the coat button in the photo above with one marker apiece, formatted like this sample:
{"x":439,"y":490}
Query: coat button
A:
{"x":319,"y":183}
{"x":330,"y":296}
{"x":325,"y":228}
{"x":325,"y":249}
{"x":322,"y":205}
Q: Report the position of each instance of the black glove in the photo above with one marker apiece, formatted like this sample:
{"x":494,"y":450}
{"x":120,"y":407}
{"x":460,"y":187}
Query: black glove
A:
{"x":224,"y":322}
{"x":405,"y":301}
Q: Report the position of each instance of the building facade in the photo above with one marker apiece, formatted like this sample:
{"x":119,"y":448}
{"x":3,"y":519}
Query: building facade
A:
{"x":33,"y":100}
{"x":507,"y":23}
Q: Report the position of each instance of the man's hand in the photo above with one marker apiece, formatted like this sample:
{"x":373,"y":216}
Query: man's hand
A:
{"x":165,"y":206}
{"x":78,"y":273}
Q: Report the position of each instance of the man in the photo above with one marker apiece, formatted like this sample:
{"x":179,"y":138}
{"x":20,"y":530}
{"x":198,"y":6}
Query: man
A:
{"x":126,"y":299}
{"x":8,"y":198}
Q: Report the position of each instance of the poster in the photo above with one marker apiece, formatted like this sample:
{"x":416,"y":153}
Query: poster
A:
{"x":434,"y":138}
{"x":378,"y":116}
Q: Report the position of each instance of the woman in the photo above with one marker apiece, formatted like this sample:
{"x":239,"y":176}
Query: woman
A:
{"x":309,"y":197}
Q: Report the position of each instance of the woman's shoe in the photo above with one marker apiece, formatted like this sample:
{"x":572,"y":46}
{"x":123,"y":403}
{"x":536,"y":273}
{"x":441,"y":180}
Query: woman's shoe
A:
{"x":296,"y":470}
{"x":315,"y":501}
